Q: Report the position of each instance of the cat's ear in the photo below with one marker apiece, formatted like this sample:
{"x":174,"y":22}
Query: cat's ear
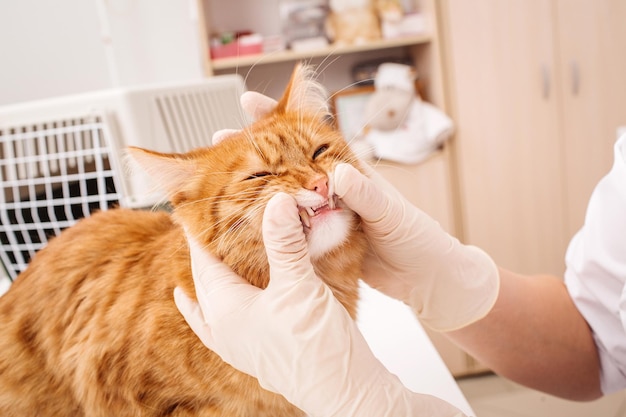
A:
{"x":170,"y":171}
{"x":304,"y":94}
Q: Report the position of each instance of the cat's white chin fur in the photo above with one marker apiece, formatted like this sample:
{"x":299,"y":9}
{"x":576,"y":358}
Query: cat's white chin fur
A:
{"x":328,"y":231}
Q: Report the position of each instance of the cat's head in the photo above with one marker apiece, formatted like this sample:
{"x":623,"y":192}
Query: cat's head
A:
{"x":219,"y":193}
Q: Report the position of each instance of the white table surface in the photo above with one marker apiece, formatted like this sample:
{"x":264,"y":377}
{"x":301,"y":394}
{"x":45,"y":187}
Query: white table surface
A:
{"x":399,"y":341}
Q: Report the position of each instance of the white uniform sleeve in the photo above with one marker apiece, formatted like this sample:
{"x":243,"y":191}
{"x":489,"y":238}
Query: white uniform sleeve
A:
{"x":596,"y":271}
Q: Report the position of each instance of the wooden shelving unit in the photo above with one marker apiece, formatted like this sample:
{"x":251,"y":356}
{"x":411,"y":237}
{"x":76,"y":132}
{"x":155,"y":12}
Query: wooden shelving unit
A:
{"x":288,"y":55}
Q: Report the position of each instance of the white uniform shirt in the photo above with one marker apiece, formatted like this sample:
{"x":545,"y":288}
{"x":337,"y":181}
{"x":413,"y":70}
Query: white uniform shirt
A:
{"x":596,"y":271}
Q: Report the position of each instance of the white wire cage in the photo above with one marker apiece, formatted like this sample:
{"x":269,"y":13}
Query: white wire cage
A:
{"x":63,"y":159}
{"x":52,"y":174}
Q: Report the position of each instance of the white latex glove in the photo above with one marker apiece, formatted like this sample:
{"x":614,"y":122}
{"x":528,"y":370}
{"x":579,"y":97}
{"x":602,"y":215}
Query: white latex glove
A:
{"x":448,"y":285}
{"x":294,"y":336}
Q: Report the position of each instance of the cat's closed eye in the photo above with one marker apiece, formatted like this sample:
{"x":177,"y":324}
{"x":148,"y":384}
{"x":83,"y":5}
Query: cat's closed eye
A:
{"x":319,"y":151}
{"x":259,"y":175}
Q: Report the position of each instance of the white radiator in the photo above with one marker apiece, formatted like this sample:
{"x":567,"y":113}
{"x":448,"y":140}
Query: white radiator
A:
{"x":62,"y":159}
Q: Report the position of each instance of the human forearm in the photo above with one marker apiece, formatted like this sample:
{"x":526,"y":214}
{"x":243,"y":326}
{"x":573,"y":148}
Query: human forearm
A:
{"x":526,"y":328}
{"x":535,"y":336}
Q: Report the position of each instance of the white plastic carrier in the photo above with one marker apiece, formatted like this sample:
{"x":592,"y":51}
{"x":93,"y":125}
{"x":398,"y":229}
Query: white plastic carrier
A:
{"x":62,"y":159}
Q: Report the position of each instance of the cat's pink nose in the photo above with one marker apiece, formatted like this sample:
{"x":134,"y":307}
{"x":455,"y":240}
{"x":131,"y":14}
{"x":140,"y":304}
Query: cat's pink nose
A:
{"x":319,"y":185}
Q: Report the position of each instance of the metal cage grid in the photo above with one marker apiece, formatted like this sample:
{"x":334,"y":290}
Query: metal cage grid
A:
{"x":52,"y":175}
{"x":62,"y":158}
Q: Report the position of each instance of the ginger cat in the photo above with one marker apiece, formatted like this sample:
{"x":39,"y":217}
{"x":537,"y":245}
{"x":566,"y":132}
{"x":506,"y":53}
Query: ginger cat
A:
{"x":90,"y":327}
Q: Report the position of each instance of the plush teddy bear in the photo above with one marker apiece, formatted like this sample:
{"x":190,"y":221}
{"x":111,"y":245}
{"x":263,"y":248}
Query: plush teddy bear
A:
{"x":352,"y":22}
{"x":400,"y":126}
{"x":390,"y":13}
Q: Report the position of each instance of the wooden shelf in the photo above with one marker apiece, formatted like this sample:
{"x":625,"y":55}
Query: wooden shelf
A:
{"x":284,"y":56}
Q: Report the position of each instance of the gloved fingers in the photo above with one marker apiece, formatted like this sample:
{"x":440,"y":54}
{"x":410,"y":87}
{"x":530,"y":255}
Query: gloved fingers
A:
{"x":218,"y":289}
{"x":192,"y":313}
{"x":284,"y":239}
{"x":256,"y":104}
{"x":222,"y":134}
{"x":363,"y":196}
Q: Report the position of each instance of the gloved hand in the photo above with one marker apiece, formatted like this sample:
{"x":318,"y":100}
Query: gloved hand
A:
{"x":448,"y":285}
{"x":294,"y":336}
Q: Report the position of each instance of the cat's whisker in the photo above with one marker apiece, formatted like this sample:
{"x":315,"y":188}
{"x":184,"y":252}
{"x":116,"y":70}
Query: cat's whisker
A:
{"x":353,"y":155}
{"x":240,"y":197}
{"x":248,"y":135}
{"x":254,"y":143}
{"x":349,"y":86}
{"x":238,"y":228}
{"x":325,"y":63}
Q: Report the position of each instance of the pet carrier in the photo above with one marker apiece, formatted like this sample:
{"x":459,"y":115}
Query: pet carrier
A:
{"x":62,"y":159}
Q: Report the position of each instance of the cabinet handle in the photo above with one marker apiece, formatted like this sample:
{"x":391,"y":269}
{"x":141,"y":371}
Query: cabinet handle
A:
{"x":575,"y":77}
{"x":545,"y":75}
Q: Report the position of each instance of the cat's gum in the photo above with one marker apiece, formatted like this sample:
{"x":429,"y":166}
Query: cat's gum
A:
{"x":307,"y":212}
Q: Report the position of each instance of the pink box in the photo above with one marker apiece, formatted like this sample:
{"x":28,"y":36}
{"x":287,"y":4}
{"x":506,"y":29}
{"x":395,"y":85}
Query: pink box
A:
{"x":235,"y":48}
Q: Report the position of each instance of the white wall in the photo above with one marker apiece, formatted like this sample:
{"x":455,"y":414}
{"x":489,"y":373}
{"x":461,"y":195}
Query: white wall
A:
{"x":153,"y":41}
{"x":49,"y":48}
{"x":52,"y":48}
{"x":259,"y":16}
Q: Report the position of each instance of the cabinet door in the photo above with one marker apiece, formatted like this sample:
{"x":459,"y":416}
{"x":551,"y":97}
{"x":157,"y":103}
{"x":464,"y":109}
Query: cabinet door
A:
{"x":501,"y":68}
{"x":426,"y":185}
{"x":592,"y":45}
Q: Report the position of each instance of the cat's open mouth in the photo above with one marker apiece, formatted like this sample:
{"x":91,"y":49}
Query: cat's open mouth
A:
{"x":306,"y":213}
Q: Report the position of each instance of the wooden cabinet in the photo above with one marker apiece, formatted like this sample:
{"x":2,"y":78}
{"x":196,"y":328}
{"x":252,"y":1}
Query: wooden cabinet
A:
{"x":508,"y":142}
{"x":591,"y":56}
{"x":537,"y":92}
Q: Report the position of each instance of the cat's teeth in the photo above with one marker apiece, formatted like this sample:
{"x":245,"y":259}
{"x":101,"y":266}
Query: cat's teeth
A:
{"x":304,"y":216}
{"x":310,"y":211}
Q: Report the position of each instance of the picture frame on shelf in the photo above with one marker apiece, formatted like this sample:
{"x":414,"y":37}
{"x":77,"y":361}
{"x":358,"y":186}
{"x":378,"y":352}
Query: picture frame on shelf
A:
{"x":348,"y":107}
